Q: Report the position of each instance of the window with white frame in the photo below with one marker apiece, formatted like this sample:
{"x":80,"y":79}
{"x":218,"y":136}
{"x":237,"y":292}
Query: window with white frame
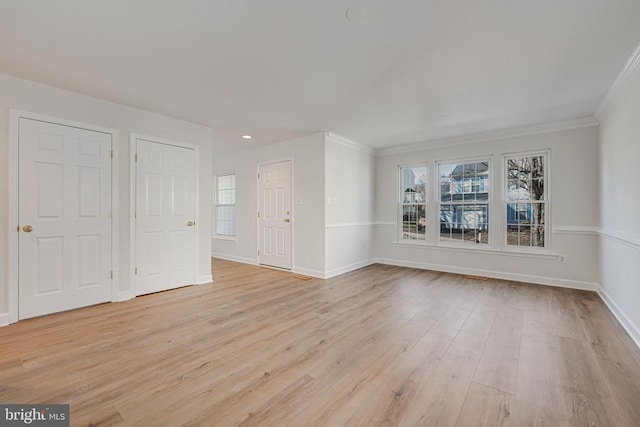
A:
{"x":464,"y":201}
{"x":526,"y":200}
{"x":412,"y":208}
{"x":225,"y":205}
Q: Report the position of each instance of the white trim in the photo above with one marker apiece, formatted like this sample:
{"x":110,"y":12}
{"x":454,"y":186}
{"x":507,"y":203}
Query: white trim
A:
{"x":125,"y":295}
{"x":344,"y":225}
{"x":620,"y":83}
{"x":385,"y":224}
{"x":621,"y":237}
{"x":526,"y":278}
{"x":339,"y":139}
{"x":133,"y":141}
{"x":252,"y":261}
{"x":631,"y":328}
{"x":475,"y":249}
{"x":204,"y":279}
{"x":350,"y":267}
{"x":576,"y":230}
{"x":4,"y":319}
{"x":14,"y":126}
{"x":225,"y":238}
{"x":490,"y":136}
{"x":305,"y":271}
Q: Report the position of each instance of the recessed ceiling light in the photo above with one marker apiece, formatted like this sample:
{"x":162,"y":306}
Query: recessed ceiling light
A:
{"x":247,"y":136}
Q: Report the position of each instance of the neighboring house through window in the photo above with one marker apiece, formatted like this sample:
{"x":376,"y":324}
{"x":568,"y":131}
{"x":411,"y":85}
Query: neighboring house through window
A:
{"x":413,"y":202}
{"x":526,"y":200}
{"x":225,"y":208}
{"x":464,"y":201}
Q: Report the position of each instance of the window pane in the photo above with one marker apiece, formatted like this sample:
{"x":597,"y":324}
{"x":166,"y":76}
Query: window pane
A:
{"x":537,"y":225}
{"x":464,"y":223}
{"x":414,"y":222}
{"x":225,"y":220}
{"x":414,"y":182}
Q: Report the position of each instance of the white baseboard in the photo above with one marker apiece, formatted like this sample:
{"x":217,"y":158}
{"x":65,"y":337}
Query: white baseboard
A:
{"x":309,"y":272}
{"x":125,"y":295}
{"x":4,"y":319}
{"x":347,"y":268}
{"x":631,"y":328}
{"x":205,"y":278}
{"x":527,"y":278}
{"x":227,"y":257}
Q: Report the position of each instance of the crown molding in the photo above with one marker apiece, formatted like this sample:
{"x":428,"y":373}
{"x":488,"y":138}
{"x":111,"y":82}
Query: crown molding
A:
{"x":491,"y":136}
{"x":618,"y":86}
{"x":349,"y":143}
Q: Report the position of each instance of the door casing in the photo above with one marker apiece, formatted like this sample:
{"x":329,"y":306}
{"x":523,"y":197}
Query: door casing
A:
{"x":14,"y":142}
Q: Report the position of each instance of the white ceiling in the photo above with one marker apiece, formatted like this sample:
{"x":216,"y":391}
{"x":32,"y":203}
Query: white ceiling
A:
{"x":403,"y":71}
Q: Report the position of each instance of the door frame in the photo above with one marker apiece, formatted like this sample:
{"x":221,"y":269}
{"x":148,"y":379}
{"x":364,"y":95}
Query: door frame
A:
{"x":291,"y":202}
{"x":14,"y":145}
{"x":133,"y":147}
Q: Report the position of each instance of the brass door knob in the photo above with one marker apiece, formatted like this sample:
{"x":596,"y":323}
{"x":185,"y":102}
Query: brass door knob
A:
{"x":287,"y":220}
{"x":191,"y":223}
{"x":27,"y":229}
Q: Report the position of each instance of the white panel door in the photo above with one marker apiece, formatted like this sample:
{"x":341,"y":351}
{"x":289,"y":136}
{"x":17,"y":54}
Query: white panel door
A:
{"x":64,"y":216}
{"x":165,"y":212}
{"x":274,"y":221}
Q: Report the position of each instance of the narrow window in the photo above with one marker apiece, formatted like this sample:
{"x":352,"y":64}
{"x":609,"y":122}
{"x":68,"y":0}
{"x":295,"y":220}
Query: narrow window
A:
{"x":464,"y":202}
{"x":526,"y":200}
{"x":225,"y":209}
{"x":412,"y":210}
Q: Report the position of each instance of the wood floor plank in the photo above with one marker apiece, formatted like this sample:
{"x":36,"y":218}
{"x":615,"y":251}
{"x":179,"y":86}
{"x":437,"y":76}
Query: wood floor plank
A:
{"x":486,"y":407}
{"x":624,"y":381}
{"x":383,"y":345}
{"x":440,"y":396}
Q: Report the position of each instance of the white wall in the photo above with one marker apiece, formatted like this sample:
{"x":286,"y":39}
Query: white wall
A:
{"x":574,"y":211}
{"x":37,"y":98}
{"x":350,"y":191}
{"x":620,"y":205}
{"x":308,"y":215}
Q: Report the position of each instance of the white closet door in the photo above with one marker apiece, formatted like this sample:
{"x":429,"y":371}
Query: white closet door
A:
{"x":64,"y":216}
{"x":165,"y":212}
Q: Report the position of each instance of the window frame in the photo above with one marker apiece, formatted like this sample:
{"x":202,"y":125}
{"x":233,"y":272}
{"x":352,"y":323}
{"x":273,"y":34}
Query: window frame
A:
{"x":400,"y":203}
{"x":546,"y":155}
{"x":489,"y":202}
{"x":216,"y":203}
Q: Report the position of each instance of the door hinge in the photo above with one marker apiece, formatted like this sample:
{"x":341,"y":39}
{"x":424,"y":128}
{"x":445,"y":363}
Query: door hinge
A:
{"x":18,"y":228}
{"x":135,"y":271}
{"x":135,"y":157}
{"x":258,"y":252}
{"x":135,"y":214}
{"x":111,"y":274}
{"x":258,"y":175}
{"x":111,"y":154}
{"x":258,"y":214}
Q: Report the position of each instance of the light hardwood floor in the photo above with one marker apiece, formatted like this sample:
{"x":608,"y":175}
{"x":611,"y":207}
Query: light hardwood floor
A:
{"x":379,"y":346}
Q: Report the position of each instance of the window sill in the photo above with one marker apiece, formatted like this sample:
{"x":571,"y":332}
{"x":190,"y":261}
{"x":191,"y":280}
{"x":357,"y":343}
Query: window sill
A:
{"x":477,"y":249}
{"x":227,"y":238}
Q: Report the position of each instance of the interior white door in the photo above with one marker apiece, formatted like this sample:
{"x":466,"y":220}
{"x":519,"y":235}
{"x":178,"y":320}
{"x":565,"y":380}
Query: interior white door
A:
{"x":274,"y":215}
{"x":165,"y":212}
{"x":64,"y":213}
